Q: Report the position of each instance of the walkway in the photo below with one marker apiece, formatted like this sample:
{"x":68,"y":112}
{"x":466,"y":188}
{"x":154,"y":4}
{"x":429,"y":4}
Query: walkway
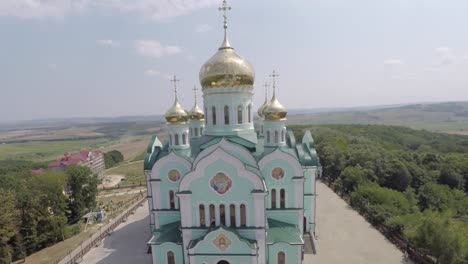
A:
{"x":346,"y":237}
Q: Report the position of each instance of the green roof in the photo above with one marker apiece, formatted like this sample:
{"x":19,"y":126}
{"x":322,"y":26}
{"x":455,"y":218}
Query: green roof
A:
{"x":278,"y":231}
{"x":251,"y":243}
{"x":167,"y":233}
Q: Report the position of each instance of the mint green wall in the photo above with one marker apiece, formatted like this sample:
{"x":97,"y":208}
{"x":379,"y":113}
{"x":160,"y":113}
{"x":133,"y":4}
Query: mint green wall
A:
{"x":285,"y":183}
{"x":166,"y":184}
{"x":291,"y":252}
{"x":287,"y":216}
{"x":167,"y":217}
{"x":240,"y":192}
{"x":216,"y":259}
{"x":159,"y":253}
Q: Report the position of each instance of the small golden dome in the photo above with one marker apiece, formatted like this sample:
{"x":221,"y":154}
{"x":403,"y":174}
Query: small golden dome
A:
{"x":274,"y":110}
{"x":176,"y":114}
{"x":196,"y":113}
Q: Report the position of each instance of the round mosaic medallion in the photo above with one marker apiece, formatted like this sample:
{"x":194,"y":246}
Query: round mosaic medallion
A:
{"x":221,"y":183}
{"x":173,"y":175}
{"x":277,"y":173}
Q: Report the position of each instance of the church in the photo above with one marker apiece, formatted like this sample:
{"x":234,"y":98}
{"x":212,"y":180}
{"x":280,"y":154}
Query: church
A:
{"x":221,"y":189}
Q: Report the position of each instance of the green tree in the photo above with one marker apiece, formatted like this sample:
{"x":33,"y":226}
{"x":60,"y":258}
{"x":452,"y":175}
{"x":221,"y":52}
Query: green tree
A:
{"x":8,"y":223}
{"x":449,"y":176}
{"x":82,"y":186}
{"x":112,"y":158}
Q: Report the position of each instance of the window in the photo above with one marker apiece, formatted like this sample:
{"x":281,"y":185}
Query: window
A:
{"x":212,"y":215}
{"x":184,"y":139}
{"x":201,"y":131}
{"x":268,"y":136}
{"x":176,"y":137}
{"x":232,"y":214}
{"x":213,"y":115}
{"x":170,"y":139}
{"x":249,"y":111}
{"x":273,"y":199}
{"x":282,"y":136}
{"x":170,"y":257}
{"x":171,"y":200}
{"x":222,"y":215}
{"x":201,"y":210}
{"x":206,"y":119}
{"x":243,"y":220}
{"x":281,"y":258}
{"x":190,"y":132}
{"x":173,"y":175}
{"x":196,"y":132}
{"x":226,"y":115}
{"x":276,"y":137}
{"x":261,"y":129}
{"x":282,"y":198}
{"x":239,"y":114}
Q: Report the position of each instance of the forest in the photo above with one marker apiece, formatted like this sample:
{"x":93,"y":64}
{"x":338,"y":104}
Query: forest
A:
{"x":413,"y":182}
{"x":39,"y":210}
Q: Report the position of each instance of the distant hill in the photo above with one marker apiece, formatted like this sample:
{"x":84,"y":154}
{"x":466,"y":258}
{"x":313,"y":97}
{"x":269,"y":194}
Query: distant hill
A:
{"x":451,"y":117}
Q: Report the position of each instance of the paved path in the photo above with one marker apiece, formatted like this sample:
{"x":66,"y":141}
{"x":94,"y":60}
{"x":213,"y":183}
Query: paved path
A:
{"x":127,"y":244}
{"x":346,"y":237}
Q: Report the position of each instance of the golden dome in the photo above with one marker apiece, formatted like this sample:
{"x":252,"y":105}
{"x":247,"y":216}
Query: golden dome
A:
{"x":274,"y":110}
{"x":176,"y":114}
{"x":196,"y":113}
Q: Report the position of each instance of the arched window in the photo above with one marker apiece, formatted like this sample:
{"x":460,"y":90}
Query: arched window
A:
{"x":268,"y":136}
{"x":282,"y":136}
{"x":226,"y":115}
{"x":222,"y":215}
{"x":273,"y":199}
{"x":282,"y":198}
{"x":206,"y":119}
{"x":196,"y":132}
{"x":212,"y":215}
{"x":201,"y":210}
{"x":243,"y":216}
{"x":239,"y":114}
{"x":276,"y":137}
{"x":190,"y":132}
{"x":170,"y":257}
{"x":232,"y":214}
{"x":213,"y":115}
{"x":170,"y":139}
{"x":281,"y":258}
{"x":261,"y":129}
{"x":201,"y":131}
{"x":176,"y":139}
{"x":171,"y":200}
{"x":184,"y":139}
{"x":249,"y":111}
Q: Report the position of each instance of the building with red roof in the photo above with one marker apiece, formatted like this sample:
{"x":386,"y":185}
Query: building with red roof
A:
{"x":92,"y":159}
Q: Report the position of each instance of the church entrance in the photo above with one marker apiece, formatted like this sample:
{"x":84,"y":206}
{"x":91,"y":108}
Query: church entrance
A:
{"x":223,"y":262}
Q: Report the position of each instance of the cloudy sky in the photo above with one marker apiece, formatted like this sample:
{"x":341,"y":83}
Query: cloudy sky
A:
{"x":81,"y":58}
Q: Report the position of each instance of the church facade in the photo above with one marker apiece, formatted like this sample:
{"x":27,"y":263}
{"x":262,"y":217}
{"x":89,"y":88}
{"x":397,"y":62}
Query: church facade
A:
{"x":221,"y":191}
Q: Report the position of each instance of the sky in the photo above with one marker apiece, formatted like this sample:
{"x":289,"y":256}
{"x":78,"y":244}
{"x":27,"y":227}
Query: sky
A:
{"x":93,"y":58}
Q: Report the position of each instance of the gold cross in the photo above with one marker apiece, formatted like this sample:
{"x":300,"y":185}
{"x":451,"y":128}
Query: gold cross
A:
{"x":225,"y":8}
{"x":175,"y":80}
{"x":195,"y":89}
{"x":274,"y":75}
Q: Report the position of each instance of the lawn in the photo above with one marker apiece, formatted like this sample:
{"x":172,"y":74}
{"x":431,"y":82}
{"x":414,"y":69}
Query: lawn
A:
{"x":132,"y":171}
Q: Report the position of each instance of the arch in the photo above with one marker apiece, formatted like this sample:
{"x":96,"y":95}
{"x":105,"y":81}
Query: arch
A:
{"x":170,"y":139}
{"x":273,"y":199}
{"x":276,"y":137}
{"x":281,"y":258}
{"x":196,"y":132}
{"x":222,"y":262}
{"x":184,"y":139}
{"x":249,"y":111}
{"x":176,"y":139}
{"x":171,"y":200}
{"x":222,"y":215}
{"x":239,"y":114}
{"x":170,"y":257}
{"x":172,"y":157}
{"x":232,"y":214}
{"x":201,"y":211}
{"x":268,"y":136}
{"x":280,"y":155}
{"x":213,"y":115}
{"x":212,"y":215}
{"x":243,"y":215}
{"x":282,"y":198}
{"x":226,"y":115}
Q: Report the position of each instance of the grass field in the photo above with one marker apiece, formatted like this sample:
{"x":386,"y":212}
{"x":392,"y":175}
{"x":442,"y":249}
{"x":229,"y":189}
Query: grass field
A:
{"x":133,"y":172}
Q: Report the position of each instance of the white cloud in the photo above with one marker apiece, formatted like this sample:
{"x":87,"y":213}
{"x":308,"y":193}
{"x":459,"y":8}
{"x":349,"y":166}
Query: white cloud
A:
{"x":154,"y":9}
{"x":202,"y":28}
{"x":107,"y":42}
{"x":445,"y":56}
{"x":393,"y":62}
{"x":152,"y":73}
{"x":153,"y":48}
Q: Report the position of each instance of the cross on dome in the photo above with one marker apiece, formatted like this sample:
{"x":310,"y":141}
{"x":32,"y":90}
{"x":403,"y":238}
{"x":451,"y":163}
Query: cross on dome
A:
{"x":175,"y":80}
{"x":195,"y":89}
{"x":273,"y":76}
{"x":225,"y":8}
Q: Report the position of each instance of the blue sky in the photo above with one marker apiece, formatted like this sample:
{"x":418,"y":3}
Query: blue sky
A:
{"x":82,"y":58}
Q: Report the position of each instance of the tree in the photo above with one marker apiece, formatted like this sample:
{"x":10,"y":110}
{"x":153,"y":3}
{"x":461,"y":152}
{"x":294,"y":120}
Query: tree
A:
{"x":449,"y":176}
{"x":112,"y":158}
{"x":397,"y":175}
{"x":8,"y":223}
{"x":83,"y":190}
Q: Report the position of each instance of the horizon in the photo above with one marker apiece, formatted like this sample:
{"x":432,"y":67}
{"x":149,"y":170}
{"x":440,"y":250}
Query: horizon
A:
{"x":113,"y":60}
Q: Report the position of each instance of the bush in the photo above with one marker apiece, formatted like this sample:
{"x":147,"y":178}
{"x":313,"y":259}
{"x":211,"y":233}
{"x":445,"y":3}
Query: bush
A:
{"x":112,"y":158}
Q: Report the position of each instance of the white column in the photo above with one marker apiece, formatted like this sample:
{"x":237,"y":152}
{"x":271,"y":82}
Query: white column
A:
{"x":298,"y":192}
{"x":186,"y":210}
{"x":217,"y":214}
{"x":207,"y":215}
{"x":237,"y":215}
{"x":227,"y":214}
{"x":259,"y":209}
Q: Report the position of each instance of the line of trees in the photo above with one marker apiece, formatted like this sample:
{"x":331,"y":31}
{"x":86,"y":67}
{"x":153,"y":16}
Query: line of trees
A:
{"x":38,"y":211}
{"x":413,"y":182}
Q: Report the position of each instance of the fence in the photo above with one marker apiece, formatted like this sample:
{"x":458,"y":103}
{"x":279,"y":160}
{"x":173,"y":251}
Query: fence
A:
{"x":77,"y":254}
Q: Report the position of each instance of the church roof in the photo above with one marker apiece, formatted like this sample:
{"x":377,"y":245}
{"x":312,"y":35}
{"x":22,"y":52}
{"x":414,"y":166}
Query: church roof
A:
{"x":278,"y":231}
{"x":167,"y":233}
{"x":251,"y":243}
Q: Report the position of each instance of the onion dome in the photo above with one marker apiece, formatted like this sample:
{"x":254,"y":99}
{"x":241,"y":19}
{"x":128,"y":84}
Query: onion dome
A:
{"x":176,"y":114}
{"x":226,"y":68}
{"x":262,"y":107}
{"x":274,"y":110}
{"x":196,"y":113}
